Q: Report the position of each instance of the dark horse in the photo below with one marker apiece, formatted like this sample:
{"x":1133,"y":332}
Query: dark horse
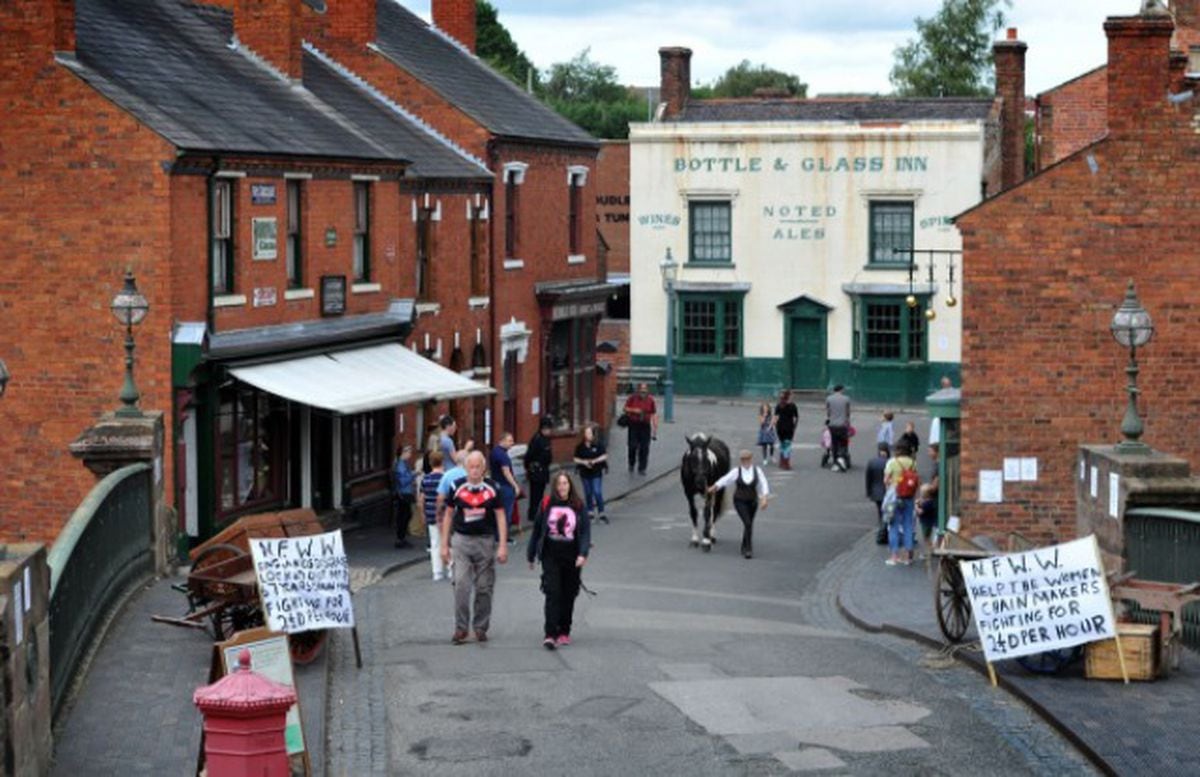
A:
{"x":706,"y":460}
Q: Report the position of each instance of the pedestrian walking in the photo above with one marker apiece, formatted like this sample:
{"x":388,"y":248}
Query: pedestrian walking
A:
{"x":471,"y":523}
{"x":837,"y":413}
{"x":502,"y":473}
{"x":901,"y":474}
{"x":404,"y":493}
{"x":448,"y":428}
{"x":876,"y":490}
{"x":886,"y":432}
{"x":910,"y":438}
{"x":538,"y":458}
{"x":786,"y":419}
{"x":750,"y":491}
{"x":427,"y":501}
{"x":591,"y":460}
{"x":767,"y":436}
{"x":642,"y":415}
{"x":561,"y":539}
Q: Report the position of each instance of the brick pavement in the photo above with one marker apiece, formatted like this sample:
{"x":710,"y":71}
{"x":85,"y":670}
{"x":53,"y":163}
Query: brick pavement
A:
{"x":1139,"y":729}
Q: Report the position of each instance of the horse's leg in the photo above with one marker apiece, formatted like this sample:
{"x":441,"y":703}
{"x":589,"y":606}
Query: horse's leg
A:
{"x":692,"y":512}
{"x":706,"y":540}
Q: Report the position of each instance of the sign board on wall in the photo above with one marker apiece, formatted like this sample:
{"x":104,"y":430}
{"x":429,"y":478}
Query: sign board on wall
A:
{"x":333,"y":295}
{"x":304,"y":582}
{"x":262,"y":194}
{"x":265,"y":234}
{"x":1044,"y":599}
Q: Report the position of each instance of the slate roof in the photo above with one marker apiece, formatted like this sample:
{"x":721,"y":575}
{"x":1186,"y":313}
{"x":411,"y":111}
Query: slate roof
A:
{"x":828,"y":109}
{"x":467,"y":82}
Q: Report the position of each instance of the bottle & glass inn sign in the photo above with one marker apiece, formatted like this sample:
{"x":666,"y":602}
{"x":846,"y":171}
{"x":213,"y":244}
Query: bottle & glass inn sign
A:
{"x":808,"y":164}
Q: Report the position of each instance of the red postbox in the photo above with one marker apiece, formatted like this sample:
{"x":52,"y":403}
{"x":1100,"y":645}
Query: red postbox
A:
{"x":244,"y":719}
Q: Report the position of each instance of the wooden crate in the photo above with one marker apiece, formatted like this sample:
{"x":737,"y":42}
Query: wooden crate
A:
{"x":1139,"y":643}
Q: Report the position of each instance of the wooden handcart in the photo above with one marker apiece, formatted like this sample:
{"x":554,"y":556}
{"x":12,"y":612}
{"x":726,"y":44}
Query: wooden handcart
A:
{"x":222,"y":589}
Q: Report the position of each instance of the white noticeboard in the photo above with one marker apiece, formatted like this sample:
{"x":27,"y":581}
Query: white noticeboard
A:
{"x":1012,"y":470}
{"x":991,"y":486}
{"x":1044,"y":599}
{"x":1114,"y":493}
{"x":304,"y":582}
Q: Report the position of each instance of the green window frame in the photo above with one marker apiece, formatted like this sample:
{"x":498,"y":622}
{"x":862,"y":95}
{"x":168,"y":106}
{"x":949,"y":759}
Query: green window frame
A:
{"x":710,"y":232}
{"x":888,"y":331}
{"x":891,"y":228}
{"x":709,"y":326}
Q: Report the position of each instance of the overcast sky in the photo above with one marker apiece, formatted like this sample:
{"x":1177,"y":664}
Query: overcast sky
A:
{"x":833,"y":46}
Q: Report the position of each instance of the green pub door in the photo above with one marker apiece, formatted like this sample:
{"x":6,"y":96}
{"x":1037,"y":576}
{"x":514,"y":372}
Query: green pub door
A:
{"x":805,"y":338}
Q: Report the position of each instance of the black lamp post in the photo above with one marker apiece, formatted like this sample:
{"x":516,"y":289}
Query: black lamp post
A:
{"x":1132,"y":328}
{"x":670,"y":271}
{"x":130,"y":307}
{"x":5,"y":375}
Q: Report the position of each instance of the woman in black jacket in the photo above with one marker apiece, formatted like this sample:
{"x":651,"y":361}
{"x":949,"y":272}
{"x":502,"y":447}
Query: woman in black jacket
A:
{"x":591,"y":460}
{"x":561,"y":538}
{"x":538,"y":458}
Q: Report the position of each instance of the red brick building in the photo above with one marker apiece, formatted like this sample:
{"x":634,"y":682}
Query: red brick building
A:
{"x":546,"y":293}
{"x":271,"y":207}
{"x":1074,"y":114}
{"x":1047,"y":263}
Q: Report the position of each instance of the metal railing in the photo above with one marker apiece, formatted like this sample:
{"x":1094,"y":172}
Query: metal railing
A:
{"x":1163,"y":544}
{"x":107,"y":545}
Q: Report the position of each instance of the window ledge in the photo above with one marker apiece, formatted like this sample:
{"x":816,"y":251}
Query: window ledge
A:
{"x":422,"y":308}
{"x":482,"y":371}
{"x":298,"y":294}
{"x":883,"y":267}
{"x":711,"y":265}
{"x":366,"y":288}
{"x":576,"y":259}
{"x":478,"y":303}
{"x":229,"y":301}
{"x":514,"y":264}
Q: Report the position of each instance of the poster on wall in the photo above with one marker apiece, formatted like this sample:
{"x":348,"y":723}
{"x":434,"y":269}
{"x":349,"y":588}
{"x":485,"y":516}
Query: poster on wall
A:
{"x":264,"y":234}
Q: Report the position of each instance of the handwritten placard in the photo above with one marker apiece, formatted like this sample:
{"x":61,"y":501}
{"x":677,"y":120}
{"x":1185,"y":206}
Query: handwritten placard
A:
{"x":304,"y":582}
{"x":1039,"y":600}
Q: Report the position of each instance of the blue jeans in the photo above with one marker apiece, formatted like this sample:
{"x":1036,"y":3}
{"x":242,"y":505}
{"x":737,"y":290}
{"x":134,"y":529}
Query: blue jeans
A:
{"x":508,"y":498}
{"x":901,"y":522}
{"x":593,"y":494}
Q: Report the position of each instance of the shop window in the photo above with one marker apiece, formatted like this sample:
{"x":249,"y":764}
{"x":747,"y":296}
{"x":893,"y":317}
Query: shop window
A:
{"x":366,"y":439}
{"x":295,"y":257}
{"x":891,"y":229}
{"x":362,"y":231}
{"x":221,"y":232}
{"x":424,"y":253}
{"x":710,"y":326}
{"x":888,"y":330}
{"x":710,"y":237}
{"x":572,"y":371}
{"x":251,"y":448}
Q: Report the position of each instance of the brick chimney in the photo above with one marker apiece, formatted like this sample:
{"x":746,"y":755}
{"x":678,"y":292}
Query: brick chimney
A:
{"x":272,"y":30}
{"x":456,"y":18}
{"x":676,"y":79}
{"x":64,"y":25}
{"x":1187,"y":24}
{"x":1139,"y":74}
{"x":351,"y":21}
{"x":1009,"y":55}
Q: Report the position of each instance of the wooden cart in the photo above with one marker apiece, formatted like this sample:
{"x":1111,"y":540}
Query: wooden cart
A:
{"x":222,"y":589}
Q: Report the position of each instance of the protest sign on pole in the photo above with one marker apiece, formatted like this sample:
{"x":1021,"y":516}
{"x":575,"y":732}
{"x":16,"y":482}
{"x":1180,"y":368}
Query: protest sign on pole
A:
{"x":1040,"y":600}
{"x":304,"y":582}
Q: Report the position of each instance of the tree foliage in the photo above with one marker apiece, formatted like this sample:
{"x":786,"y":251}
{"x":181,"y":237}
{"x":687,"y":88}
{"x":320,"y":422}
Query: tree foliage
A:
{"x":952,"y":54}
{"x":588,"y":93}
{"x":744,"y":79}
{"x":495,"y":45}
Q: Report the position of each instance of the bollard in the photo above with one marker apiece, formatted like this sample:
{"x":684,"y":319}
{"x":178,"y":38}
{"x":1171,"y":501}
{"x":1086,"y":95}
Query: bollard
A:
{"x":244,"y":719}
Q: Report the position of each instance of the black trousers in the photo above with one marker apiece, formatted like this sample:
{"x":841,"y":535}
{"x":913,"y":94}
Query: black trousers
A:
{"x":746,"y":510}
{"x":839,"y":437}
{"x":639,"y":446}
{"x":537,"y":489}
{"x":403,"y":512}
{"x":560,"y":583}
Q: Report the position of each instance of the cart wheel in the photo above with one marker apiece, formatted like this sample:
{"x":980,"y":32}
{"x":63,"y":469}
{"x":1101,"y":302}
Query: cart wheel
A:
{"x":306,"y":646}
{"x":950,"y":600}
{"x":227,"y":621}
{"x":1052,"y":661}
{"x":215,"y":555}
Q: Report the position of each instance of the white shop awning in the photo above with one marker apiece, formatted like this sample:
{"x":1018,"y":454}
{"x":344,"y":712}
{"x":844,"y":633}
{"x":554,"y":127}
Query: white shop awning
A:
{"x":360,"y":380}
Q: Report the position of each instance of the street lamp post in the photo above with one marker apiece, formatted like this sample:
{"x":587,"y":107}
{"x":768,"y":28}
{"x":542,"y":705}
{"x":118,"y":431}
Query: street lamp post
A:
{"x":670,"y":271}
{"x":1132,"y":328}
{"x":130,"y":307}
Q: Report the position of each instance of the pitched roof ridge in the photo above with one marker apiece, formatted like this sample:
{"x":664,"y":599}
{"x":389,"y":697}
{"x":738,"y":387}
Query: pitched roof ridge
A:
{"x":364,"y":85}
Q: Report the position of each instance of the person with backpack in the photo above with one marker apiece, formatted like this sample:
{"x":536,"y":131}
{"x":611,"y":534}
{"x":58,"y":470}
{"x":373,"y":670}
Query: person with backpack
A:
{"x":561,"y":539}
{"x":901,"y":474}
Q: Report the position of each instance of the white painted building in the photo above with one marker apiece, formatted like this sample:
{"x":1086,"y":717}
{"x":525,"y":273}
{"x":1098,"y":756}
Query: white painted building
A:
{"x":783,"y":215}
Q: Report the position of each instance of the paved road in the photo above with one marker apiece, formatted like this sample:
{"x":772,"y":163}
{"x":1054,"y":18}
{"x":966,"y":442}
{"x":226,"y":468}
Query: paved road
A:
{"x":684,"y":662}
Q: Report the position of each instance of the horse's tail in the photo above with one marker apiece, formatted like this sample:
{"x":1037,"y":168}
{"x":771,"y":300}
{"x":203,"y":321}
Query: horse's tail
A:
{"x":719,"y":503}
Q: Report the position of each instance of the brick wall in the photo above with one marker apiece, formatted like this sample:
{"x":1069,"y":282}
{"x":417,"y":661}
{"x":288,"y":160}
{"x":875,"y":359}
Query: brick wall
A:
{"x":1047,"y":265}
{"x":1071,"y":116}
{"x":73,"y":167}
{"x":612,"y":202}
{"x":457,"y":19}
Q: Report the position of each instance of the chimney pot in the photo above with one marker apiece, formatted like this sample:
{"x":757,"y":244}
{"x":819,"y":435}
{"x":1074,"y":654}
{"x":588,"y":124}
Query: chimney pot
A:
{"x":1012,"y":33}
